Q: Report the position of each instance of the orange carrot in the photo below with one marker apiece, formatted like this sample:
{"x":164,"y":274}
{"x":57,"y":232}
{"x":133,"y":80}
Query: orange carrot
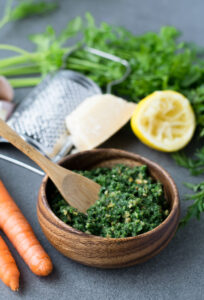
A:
{"x":20,"y":233}
{"x":9,"y":272}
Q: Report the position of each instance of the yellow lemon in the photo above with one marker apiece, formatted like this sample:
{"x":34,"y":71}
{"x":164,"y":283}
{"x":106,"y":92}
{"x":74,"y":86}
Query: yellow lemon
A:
{"x":164,"y":121}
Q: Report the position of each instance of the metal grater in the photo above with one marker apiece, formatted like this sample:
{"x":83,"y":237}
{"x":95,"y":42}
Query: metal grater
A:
{"x":40,"y":117}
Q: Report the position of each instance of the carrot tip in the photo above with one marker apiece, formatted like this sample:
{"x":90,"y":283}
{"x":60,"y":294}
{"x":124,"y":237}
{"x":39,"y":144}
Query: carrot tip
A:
{"x":14,"y":284}
{"x":14,"y":288}
{"x":44,"y":267}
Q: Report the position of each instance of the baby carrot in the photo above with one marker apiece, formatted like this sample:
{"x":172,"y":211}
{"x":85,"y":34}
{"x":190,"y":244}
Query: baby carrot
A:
{"x":9,"y":272}
{"x":20,"y":233}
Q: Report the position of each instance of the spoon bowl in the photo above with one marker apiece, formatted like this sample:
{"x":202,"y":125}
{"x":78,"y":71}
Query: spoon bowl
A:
{"x":108,"y":252}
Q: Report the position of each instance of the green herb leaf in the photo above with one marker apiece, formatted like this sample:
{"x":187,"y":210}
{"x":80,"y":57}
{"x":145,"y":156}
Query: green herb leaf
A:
{"x":194,"y":210}
{"x":25,"y":9}
{"x":72,"y":28}
{"x":49,"y":45}
{"x":28,"y":8}
{"x":195,"y":165}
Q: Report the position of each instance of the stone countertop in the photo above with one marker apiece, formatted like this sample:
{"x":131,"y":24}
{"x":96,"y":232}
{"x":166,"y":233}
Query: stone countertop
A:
{"x":177,"y":272}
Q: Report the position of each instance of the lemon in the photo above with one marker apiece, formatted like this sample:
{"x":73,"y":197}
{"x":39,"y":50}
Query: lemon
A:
{"x":164,"y":121}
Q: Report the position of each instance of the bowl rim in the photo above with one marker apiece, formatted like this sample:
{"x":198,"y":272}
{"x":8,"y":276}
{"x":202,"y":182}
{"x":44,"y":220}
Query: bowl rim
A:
{"x":67,"y":228}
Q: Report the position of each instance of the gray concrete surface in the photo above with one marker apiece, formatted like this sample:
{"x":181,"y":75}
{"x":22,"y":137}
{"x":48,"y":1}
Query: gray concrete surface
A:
{"x":178,"y":272}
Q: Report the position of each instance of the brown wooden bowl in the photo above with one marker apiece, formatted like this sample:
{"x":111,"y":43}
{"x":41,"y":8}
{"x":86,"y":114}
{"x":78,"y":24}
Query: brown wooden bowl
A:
{"x":108,"y":252}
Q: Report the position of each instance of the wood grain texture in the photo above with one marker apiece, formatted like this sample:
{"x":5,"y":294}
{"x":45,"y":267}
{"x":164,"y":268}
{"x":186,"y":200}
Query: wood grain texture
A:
{"x":76,"y":189}
{"x":108,"y":252}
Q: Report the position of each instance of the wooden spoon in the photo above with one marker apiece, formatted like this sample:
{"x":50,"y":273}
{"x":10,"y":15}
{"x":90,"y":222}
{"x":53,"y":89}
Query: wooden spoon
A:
{"x":79,"y":191}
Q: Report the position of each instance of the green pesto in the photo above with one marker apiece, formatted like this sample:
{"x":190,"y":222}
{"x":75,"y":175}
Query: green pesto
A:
{"x":130,"y":203}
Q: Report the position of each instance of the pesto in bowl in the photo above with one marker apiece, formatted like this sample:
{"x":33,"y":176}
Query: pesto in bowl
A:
{"x":130,"y":202}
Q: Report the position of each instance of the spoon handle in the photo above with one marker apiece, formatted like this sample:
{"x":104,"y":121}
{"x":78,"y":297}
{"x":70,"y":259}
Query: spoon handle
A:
{"x":10,"y":135}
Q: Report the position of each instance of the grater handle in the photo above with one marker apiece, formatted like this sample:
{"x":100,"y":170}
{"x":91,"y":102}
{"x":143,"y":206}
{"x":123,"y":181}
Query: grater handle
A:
{"x":105,"y":55}
{"x":21,"y":164}
{"x":115,"y":58}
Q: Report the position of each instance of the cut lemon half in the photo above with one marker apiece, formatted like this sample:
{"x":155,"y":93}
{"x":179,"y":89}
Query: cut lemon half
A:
{"x":164,"y":121}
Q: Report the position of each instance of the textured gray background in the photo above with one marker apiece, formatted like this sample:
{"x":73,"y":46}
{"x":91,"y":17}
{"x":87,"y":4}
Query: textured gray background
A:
{"x":175,"y":273}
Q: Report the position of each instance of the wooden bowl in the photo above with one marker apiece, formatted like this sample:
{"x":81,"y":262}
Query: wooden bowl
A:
{"x":108,"y":252}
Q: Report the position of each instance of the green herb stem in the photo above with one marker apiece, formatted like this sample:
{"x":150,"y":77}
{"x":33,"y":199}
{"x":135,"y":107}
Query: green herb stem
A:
{"x":20,"y":70}
{"x":25,"y":9}
{"x":25,"y":82}
{"x":6,"y":16}
{"x":13,"y":48}
{"x":84,"y":68}
{"x":3,"y":21}
{"x":84,"y":64}
{"x":15,"y":60}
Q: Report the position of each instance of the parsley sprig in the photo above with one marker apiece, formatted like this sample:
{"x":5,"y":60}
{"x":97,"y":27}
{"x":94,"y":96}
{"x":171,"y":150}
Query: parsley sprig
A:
{"x":197,"y":208}
{"x":25,"y":9}
{"x":195,"y":165}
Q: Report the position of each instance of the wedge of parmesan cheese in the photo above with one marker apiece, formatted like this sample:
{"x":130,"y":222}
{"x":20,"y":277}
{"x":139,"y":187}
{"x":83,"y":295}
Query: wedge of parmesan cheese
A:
{"x":96,"y":119}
